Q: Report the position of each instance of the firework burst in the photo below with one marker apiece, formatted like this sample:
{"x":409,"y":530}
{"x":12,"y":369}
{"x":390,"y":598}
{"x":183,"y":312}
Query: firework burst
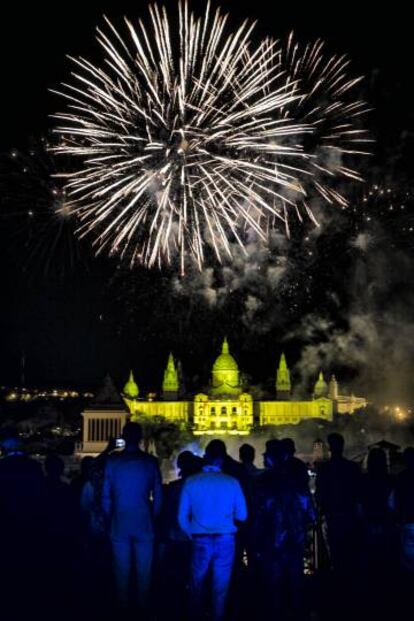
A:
{"x":36,"y":212}
{"x":329,"y":105}
{"x":179,"y":139}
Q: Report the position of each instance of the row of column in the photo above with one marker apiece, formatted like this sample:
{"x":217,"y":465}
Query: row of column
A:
{"x":101,"y":429}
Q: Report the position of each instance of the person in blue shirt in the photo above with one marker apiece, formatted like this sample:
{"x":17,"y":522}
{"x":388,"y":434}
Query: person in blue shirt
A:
{"x":132,"y":499}
{"x":211,"y":504}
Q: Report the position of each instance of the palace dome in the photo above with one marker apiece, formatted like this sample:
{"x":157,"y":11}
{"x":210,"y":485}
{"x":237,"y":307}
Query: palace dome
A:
{"x":225,"y":361}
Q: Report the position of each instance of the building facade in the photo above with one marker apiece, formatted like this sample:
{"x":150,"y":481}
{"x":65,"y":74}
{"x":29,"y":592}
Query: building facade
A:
{"x":225,"y":408}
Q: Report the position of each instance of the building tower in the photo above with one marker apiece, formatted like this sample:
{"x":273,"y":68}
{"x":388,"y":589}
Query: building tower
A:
{"x":283,"y":385}
{"x":321,"y":387}
{"x":104,"y":418}
{"x":170,"y":383}
{"x":131,"y":389}
{"x":225,"y":374}
{"x":333,"y":388}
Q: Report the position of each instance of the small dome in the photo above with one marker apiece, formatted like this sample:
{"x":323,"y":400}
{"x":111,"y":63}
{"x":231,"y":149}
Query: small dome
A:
{"x":225,"y":361}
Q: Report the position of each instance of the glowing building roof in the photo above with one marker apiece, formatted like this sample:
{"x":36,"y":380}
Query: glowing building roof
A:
{"x":131,"y":387}
{"x":170,"y":382}
{"x":225,"y":361}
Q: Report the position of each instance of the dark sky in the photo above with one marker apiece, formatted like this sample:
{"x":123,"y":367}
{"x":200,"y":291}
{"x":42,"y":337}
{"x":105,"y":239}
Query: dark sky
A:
{"x":68,"y":329}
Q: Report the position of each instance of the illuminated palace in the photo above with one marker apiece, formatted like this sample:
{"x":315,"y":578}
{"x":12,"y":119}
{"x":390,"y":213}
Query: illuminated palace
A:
{"x":225,"y":408}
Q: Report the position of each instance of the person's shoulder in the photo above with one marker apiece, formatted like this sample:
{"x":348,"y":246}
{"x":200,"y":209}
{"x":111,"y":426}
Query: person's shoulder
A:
{"x":151,"y":460}
{"x":112,"y":461}
{"x":352,"y":466}
{"x":194,"y":478}
{"x":229,"y":479}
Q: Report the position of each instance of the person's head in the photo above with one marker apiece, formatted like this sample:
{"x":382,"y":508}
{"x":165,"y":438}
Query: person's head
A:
{"x":9,"y":441}
{"x":54,"y":467}
{"x":377,"y":462}
{"x":216,"y":453}
{"x":188,"y":464}
{"x":408,"y":457}
{"x":336,"y":444}
{"x":132,"y":434}
{"x":271,"y":456}
{"x":247,"y":454}
{"x":288,"y":447}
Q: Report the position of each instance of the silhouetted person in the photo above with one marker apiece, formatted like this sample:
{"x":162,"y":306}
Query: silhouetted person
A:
{"x":175,"y":548}
{"x":294,"y":466}
{"x":132,"y":497}
{"x":377,"y":487}
{"x":62,"y":530}
{"x":285,"y":516}
{"x":404,"y":504}
{"x":247,"y":455}
{"x":95,"y":563}
{"x":250,"y":475}
{"x":79,"y":481}
{"x":211,"y":504}
{"x":188,"y":464}
{"x":92,"y":480}
{"x":22,"y":526}
{"x":54,"y":470}
{"x":232,"y":467}
{"x":272,"y":453}
{"x":338,"y":493}
{"x":379,"y":533}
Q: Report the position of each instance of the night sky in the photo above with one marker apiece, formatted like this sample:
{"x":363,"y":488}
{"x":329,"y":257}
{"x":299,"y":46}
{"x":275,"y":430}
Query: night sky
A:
{"x":74,"y":323}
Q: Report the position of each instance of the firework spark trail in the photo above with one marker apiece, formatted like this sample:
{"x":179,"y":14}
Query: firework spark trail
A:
{"x":178,"y":147}
{"x":37,"y":213}
{"x":327,"y":103}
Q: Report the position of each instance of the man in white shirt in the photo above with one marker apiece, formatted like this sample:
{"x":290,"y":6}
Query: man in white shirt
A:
{"x":211,"y":504}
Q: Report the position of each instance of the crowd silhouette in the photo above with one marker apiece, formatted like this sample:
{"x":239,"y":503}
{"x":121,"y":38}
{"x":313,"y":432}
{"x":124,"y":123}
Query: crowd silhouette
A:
{"x":228,"y":540}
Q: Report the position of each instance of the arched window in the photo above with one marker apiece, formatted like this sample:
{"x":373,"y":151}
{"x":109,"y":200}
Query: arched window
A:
{"x":213,"y":411}
{"x":224,"y":410}
{"x":234,"y":410}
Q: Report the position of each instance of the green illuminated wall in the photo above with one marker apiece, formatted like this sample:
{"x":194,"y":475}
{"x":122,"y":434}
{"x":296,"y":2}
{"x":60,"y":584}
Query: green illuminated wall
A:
{"x":214,"y":415}
{"x":226,"y":409}
{"x":293,"y":412}
{"x":177,"y":411}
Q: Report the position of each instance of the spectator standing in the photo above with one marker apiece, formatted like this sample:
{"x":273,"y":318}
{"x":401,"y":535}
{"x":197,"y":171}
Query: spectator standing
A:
{"x":132,"y":498}
{"x":210,"y":506}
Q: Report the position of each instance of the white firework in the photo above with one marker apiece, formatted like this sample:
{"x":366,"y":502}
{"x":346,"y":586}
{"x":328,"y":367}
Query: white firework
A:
{"x":181,"y":139}
{"x":328,"y":104}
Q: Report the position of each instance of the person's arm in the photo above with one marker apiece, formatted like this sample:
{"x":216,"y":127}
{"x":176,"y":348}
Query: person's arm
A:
{"x":320,"y":491}
{"x":86,"y":499}
{"x":157,"y":491}
{"x":107,"y":491}
{"x":240,"y":506}
{"x":184,"y":511}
